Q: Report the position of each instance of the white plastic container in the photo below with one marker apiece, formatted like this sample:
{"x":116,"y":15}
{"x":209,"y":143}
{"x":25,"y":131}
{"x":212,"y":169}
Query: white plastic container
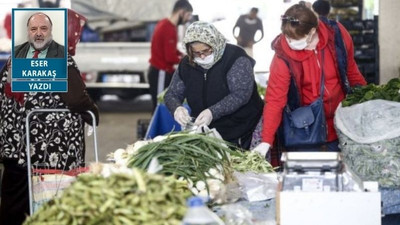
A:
{"x":199,"y":214}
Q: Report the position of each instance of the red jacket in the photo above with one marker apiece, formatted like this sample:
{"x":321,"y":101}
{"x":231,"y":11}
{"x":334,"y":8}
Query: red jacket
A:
{"x":306,"y":64}
{"x":164,"y":54}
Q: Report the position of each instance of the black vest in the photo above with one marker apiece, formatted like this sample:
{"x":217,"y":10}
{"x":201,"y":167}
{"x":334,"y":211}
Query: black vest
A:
{"x":204,"y":88}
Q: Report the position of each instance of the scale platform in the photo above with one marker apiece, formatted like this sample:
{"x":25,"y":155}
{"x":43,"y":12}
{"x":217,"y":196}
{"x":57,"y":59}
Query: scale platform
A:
{"x":312,"y":171}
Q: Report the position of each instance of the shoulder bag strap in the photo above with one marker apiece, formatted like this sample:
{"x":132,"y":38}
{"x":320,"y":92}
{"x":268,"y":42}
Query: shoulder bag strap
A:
{"x":322,"y":74}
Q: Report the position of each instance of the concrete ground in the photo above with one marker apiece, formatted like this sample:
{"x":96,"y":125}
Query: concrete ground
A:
{"x":118,"y":125}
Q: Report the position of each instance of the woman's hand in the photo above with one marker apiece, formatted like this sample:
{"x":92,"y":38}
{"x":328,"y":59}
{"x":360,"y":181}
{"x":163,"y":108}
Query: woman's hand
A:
{"x":204,"y":118}
{"x":262,"y":148}
{"x":181,"y":115}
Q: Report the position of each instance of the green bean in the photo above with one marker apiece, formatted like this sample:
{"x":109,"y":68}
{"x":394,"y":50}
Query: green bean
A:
{"x":118,"y":199}
{"x":251,"y":161}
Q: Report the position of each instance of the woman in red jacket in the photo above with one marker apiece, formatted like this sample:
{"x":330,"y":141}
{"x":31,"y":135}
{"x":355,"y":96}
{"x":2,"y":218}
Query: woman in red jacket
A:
{"x":298,"y":50}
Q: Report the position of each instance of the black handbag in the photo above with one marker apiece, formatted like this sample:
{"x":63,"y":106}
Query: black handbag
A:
{"x":305,"y":126}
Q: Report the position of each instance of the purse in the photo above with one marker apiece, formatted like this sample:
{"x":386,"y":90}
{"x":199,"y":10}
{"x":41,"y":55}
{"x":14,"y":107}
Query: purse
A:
{"x":305,"y":126}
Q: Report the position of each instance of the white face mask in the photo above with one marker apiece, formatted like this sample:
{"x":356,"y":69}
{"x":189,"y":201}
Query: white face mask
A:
{"x":298,"y":44}
{"x":206,"y":62}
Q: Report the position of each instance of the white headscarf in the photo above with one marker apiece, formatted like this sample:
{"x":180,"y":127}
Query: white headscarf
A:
{"x":206,"y":33}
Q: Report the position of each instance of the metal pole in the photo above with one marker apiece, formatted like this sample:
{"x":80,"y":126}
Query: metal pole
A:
{"x":96,"y":156}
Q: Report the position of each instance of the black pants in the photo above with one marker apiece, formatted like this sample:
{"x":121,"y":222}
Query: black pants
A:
{"x":158,"y":80}
{"x":14,"y":194}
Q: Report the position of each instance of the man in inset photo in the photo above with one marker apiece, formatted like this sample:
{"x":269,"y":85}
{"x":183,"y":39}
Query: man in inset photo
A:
{"x":40,"y":42}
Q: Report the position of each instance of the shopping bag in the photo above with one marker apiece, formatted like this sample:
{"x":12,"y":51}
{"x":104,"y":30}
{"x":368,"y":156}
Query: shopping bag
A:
{"x":304,"y":126}
{"x":49,"y":183}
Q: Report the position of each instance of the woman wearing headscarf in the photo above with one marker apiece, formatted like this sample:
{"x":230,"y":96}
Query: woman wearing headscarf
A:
{"x":217,"y":81}
{"x":57,"y":139}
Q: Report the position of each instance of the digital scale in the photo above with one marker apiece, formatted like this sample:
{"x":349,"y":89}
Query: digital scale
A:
{"x":317,"y":188}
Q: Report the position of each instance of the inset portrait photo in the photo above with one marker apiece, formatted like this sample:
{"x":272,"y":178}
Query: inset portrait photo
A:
{"x":39,"y":53}
{"x":39,"y":33}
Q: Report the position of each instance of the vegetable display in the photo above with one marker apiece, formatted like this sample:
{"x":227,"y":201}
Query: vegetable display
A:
{"x":378,"y":161}
{"x":190,"y":156}
{"x":137,"y":198}
{"x":389,"y":91}
{"x":250,"y":161}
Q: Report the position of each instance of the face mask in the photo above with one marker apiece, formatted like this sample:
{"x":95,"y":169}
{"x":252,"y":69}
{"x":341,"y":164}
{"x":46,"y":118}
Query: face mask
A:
{"x":298,"y":44}
{"x":206,"y":62}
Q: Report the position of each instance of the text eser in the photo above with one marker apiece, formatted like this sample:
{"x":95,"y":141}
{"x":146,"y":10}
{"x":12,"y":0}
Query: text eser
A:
{"x":39,"y":63}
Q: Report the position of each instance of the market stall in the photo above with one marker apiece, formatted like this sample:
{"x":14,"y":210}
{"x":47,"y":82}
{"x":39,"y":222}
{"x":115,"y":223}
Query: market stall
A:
{"x":194,"y":164}
{"x":150,"y":180}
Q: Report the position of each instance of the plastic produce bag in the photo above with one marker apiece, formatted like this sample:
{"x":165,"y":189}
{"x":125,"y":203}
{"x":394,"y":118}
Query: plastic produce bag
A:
{"x":369,"y":136}
{"x":369,"y":122}
{"x":236,"y":214}
{"x":257,"y":186}
{"x":211,"y":132}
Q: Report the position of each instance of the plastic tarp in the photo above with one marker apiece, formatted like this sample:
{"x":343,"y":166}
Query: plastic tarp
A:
{"x":93,"y":11}
{"x":131,"y":10}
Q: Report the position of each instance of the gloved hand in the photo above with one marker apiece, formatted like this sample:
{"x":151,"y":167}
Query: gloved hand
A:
{"x":181,"y":115}
{"x":204,"y":118}
{"x":262,"y":148}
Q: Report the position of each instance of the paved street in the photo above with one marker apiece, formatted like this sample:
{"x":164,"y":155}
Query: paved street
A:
{"x":118,"y":125}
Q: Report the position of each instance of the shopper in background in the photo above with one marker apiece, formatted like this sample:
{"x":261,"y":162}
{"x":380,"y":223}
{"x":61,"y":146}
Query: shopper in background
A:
{"x":164,"y":52}
{"x":56,"y":141}
{"x":322,"y":8}
{"x":248,"y":25}
{"x":217,"y":80}
{"x":299,"y":50}
{"x":40,"y":42}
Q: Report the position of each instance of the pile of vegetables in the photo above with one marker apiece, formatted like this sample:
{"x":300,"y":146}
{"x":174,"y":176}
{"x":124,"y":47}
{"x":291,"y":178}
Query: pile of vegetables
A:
{"x":250,"y":161}
{"x":193,"y":157}
{"x":389,"y":91}
{"x":136,"y":198}
{"x":207,"y":163}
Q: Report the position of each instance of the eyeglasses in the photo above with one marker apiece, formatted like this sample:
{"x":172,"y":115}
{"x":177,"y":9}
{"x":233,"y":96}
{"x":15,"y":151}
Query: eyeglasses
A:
{"x":205,"y":52}
{"x":293,"y":21}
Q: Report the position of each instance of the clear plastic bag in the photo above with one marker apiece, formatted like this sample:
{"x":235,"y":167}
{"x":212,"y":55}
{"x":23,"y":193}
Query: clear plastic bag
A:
{"x":257,"y":186}
{"x":236,"y":214}
{"x":369,"y":122}
{"x":369,"y":137}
